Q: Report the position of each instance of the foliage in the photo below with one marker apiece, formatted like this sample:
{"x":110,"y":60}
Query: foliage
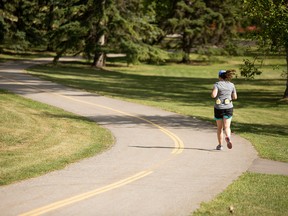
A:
{"x":249,"y":70}
{"x":201,"y":24}
{"x":79,"y":26}
{"x":271,"y":19}
{"x":134,"y":33}
{"x":21,"y":24}
{"x":185,"y":89}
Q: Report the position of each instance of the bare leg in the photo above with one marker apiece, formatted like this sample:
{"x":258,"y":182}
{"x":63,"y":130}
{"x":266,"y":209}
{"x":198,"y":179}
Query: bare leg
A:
{"x":227,"y":129}
{"x":220,"y":131}
{"x":227,"y":123}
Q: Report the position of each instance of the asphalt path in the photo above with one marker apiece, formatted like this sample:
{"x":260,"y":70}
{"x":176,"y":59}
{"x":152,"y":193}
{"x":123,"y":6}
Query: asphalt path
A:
{"x":162,"y":163}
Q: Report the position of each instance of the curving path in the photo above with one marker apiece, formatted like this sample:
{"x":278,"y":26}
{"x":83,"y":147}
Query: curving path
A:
{"x":162,"y":163}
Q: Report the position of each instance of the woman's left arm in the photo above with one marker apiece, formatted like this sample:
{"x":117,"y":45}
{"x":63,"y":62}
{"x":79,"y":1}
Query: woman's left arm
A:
{"x":234,"y":94}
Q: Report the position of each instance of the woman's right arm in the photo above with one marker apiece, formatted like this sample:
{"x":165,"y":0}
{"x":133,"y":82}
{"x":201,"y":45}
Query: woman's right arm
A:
{"x":214,"y":92}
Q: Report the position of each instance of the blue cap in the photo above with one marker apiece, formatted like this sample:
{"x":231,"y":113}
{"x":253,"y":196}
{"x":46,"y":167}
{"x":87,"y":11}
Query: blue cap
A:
{"x":221,"y":72}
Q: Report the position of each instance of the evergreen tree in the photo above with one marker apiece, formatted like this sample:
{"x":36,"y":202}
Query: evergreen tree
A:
{"x":196,"y":23}
{"x":20,"y":24}
{"x":64,"y":28}
{"x":199,"y":23}
{"x":103,"y":26}
{"x":231,"y":19}
{"x":122,"y":26}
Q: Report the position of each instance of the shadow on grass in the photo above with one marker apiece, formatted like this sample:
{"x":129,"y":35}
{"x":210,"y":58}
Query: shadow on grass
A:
{"x":153,"y":88}
{"x":267,"y":130}
{"x":182,"y":90}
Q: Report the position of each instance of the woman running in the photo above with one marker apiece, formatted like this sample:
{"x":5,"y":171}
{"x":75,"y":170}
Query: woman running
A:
{"x":224,"y":92}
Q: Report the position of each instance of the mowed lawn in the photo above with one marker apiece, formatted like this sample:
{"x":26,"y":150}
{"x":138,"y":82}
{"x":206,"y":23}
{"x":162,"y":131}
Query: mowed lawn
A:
{"x":260,"y":115}
{"x":36,"y":138}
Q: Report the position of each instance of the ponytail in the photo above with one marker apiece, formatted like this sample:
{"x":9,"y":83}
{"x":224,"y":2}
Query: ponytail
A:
{"x":228,"y":75}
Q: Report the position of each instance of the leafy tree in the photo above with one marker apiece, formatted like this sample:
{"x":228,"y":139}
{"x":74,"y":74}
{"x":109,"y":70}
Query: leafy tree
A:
{"x":20,"y":24}
{"x":137,"y":32}
{"x":164,"y":10}
{"x":271,"y":19}
{"x":103,"y":26}
{"x":64,"y":28}
{"x":227,"y":30}
{"x":200,"y":23}
{"x":196,"y":23}
{"x":121,"y":26}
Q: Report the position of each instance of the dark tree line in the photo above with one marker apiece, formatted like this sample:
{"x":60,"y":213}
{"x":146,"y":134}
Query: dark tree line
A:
{"x":96,"y":27}
{"x":138,"y":27}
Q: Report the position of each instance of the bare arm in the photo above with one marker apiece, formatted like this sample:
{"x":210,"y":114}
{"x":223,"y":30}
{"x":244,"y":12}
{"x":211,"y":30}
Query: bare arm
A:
{"x":234,"y":96}
{"x":214,"y":93}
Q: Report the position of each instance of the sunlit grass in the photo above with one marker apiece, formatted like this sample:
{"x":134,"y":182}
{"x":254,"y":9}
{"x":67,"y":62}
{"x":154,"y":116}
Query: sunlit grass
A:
{"x":252,"y":194}
{"x":37,"y":138}
{"x":260,"y":116}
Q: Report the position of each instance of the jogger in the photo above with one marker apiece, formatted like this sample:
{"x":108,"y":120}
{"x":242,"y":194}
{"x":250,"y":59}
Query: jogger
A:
{"x":224,"y":92}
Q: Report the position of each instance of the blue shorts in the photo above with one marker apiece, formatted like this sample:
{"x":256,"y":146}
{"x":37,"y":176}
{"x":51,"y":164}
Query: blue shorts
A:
{"x":223,"y":113}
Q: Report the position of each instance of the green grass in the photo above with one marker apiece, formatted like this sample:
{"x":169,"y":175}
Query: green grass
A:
{"x":36,"y":138}
{"x":260,"y":116}
{"x":9,"y":55}
{"x":252,"y":194}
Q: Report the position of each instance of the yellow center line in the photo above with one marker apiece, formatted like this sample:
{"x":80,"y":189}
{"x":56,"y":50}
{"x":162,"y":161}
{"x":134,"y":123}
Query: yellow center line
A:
{"x":178,"y":149}
{"x":86,"y":195}
{"x":179,"y":145}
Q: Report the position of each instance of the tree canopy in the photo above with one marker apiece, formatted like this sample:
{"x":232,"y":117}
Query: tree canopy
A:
{"x":137,"y":27}
{"x":96,"y":27}
{"x":271,"y":19}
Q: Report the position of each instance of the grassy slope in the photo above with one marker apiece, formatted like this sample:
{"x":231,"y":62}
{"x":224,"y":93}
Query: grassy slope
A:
{"x":36,"y":138}
{"x":259,"y":116}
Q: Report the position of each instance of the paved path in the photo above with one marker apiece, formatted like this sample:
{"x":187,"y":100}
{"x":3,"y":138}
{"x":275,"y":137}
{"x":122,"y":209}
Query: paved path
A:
{"x":162,"y":163}
{"x":265,"y":166}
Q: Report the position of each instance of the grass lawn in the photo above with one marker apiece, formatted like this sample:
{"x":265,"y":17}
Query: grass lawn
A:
{"x":36,"y":138}
{"x":260,"y":115}
{"x":252,"y":194}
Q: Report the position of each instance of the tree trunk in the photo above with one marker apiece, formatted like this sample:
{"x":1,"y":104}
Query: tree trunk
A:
{"x":58,"y":56}
{"x":186,"y":48}
{"x":286,"y":91}
{"x":99,"y":56}
{"x":99,"y":60}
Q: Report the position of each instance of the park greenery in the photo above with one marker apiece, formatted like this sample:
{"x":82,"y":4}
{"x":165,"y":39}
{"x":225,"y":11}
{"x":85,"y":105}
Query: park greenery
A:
{"x":147,"y":30}
{"x":260,"y":117}
{"x":36,"y":138}
{"x":178,"y":46}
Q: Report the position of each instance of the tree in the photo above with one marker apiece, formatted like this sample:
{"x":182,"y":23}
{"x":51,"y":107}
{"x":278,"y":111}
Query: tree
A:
{"x":271,"y":19}
{"x":164,"y":10}
{"x":20,"y":24}
{"x":196,"y":23}
{"x":65,"y":31}
{"x":227,"y":30}
{"x":121,"y":26}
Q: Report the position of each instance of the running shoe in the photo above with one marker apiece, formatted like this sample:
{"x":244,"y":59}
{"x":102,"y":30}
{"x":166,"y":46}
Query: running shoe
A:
{"x":219,"y":147}
{"x":229,"y":143}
